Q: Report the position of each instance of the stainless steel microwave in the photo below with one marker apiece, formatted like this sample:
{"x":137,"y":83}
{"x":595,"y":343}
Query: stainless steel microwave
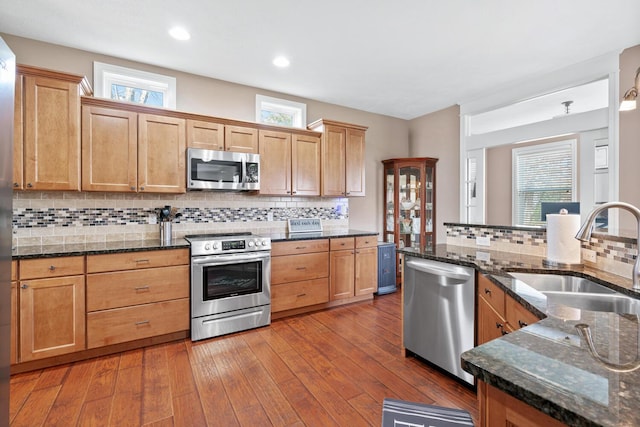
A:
{"x":222,"y":170}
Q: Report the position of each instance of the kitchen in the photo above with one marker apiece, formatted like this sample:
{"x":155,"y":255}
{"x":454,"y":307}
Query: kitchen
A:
{"x":437,"y":126}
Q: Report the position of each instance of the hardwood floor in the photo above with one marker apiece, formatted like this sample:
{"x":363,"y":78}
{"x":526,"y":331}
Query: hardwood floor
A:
{"x":330,"y":368}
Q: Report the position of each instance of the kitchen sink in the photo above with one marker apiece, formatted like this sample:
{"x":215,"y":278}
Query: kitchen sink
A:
{"x":561,"y":283}
{"x":612,"y":303}
{"x":577,"y":292}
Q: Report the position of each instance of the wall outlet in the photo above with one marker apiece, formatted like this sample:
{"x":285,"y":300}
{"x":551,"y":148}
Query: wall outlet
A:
{"x":152,"y":219}
{"x":483,"y":256}
{"x":589,"y":255}
{"x":269,"y":216}
{"x":483,"y":241}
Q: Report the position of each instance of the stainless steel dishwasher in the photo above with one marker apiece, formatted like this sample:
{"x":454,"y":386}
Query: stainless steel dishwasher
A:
{"x":439,"y":312}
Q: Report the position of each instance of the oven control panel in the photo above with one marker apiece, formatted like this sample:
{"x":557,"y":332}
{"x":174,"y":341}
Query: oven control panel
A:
{"x":221,"y":245}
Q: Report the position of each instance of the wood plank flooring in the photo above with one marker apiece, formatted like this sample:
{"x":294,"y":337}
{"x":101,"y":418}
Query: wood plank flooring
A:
{"x":330,"y":368}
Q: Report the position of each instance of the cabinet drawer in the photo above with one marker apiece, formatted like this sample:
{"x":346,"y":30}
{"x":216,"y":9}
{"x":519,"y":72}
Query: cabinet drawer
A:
{"x":299,"y":247}
{"x":492,"y":294}
{"x":142,"y":321}
{"x":366,"y":241}
{"x":14,"y":270}
{"x":342,"y":243}
{"x":51,"y":267}
{"x":136,"y":260}
{"x":293,"y":268}
{"x":299,"y":294}
{"x":518,"y":316}
{"x":124,"y":288}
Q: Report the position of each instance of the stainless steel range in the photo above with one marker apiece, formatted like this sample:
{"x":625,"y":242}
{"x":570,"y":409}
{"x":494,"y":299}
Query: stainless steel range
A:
{"x":230,"y":283}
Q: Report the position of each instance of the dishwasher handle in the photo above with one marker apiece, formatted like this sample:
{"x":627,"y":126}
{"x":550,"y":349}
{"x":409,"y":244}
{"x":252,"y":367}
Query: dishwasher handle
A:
{"x":453,"y":272}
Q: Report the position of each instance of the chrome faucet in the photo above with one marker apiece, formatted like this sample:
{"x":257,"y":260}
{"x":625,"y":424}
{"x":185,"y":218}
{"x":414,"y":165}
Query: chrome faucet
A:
{"x":584,"y":234}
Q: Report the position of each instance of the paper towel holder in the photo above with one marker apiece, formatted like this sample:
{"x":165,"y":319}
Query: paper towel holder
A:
{"x":562,"y":265}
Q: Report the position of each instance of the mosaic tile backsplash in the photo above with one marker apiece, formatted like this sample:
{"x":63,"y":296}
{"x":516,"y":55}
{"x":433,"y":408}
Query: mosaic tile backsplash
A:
{"x":69,"y":217}
{"x":613,"y":254}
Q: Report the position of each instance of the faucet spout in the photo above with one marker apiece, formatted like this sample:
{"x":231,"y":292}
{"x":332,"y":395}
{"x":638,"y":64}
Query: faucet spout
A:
{"x":584,"y":234}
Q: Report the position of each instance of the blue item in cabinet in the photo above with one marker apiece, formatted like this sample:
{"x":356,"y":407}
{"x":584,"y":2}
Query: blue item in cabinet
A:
{"x":386,"y":268}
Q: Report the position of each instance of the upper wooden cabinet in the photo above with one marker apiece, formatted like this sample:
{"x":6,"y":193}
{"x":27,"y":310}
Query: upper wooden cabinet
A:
{"x":123,"y":150}
{"x":290,"y":164}
{"x":47,"y":129}
{"x":211,"y":135}
{"x":343,"y":158}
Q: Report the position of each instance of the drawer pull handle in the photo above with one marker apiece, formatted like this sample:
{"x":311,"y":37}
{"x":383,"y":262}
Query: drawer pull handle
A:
{"x":301,"y":268}
{"x":142,"y":260}
{"x":142,"y":288}
{"x":522,"y":324}
{"x":143,"y":322}
{"x":499,"y":325}
{"x":504,"y":332}
{"x":52,"y":267}
{"x":487,"y":291}
{"x":301,"y":295}
{"x":301,"y":247}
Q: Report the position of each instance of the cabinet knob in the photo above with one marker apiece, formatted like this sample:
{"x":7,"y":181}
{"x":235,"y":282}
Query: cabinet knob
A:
{"x":499,"y":325}
{"x":52,"y":268}
{"x":487,"y":291}
{"x":24,"y":286}
{"x":29,"y":185}
{"x":141,"y":188}
{"x":294,"y":192}
{"x":522,"y":324}
{"x":16,"y":185}
{"x":133,"y":188}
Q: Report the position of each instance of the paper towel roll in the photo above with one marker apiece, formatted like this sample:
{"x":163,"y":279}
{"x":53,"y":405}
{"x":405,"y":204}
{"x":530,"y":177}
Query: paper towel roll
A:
{"x":562,"y":245}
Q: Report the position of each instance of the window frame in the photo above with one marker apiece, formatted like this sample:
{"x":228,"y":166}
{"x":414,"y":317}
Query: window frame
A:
{"x":570,"y":143}
{"x":105,"y":75}
{"x":297,"y":109}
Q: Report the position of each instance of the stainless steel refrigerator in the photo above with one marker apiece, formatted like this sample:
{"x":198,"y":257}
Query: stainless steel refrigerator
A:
{"x":7,"y":87}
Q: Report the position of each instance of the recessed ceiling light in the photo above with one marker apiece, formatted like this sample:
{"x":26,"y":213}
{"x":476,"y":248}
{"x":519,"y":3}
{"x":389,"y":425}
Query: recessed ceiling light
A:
{"x":281,"y":61}
{"x":179,"y":33}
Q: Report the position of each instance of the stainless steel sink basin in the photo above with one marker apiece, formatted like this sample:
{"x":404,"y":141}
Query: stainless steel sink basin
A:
{"x":561,"y":283}
{"x":576,"y":292}
{"x":615,"y":303}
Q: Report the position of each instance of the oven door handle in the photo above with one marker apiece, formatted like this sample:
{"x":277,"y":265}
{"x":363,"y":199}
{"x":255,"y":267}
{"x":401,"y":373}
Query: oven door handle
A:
{"x":225,"y":259}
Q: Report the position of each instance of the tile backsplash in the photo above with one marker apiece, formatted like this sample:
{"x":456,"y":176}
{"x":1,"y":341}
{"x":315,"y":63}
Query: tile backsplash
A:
{"x":80,"y":217}
{"x":614,"y":254}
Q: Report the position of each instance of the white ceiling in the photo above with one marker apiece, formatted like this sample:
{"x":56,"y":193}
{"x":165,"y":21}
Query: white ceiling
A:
{"x":402,"y":58}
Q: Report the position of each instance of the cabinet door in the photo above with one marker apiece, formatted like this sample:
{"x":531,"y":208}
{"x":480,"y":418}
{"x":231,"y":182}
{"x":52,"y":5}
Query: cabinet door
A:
{"x":13,"y":358}
{"x":275,"y":163}
{"x":241,"y":139}
{"x":333,"y":161}
{"x":52,"y":317}
{"x":51,"y":134}
{"x":341,"y":274}
{"x":109,"y":149}
{"x":18,"y":134}
{"x":366,"y":269}
{"x":490,"y":324}
{"x":161,"y":154}
{"x":354,"y":163}
{"x":305,"y":165}
{"x":205,"y":135}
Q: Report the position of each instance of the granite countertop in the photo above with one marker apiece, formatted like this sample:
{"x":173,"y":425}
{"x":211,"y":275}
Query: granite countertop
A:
{"x":546,"y":364}
{"x":282,"y":237}
{"x":47,"y":251}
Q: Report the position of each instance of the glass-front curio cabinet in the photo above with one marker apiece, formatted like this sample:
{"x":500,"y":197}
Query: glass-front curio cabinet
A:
{"x":410,"y":203}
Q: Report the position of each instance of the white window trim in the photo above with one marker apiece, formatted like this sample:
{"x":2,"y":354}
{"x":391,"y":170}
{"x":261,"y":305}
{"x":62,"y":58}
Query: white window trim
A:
{"x":541,"y":148}
{"x":298,"y":109}
{"x":106,"y":74}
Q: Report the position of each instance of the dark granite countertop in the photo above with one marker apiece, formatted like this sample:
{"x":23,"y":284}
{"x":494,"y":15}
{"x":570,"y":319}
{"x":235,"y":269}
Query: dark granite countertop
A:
{"x":283,"y":237}
{"x":47,"y":251}
{"x":546,"y":364}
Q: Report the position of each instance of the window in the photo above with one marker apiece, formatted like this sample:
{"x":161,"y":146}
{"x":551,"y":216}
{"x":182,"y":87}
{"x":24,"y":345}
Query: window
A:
{"x":127,"y":84}
{"x":542,"y":173}
{"x":281,"y":112}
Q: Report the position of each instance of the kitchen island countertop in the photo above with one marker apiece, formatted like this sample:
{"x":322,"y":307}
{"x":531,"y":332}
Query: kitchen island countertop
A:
{"x":546,"y":364}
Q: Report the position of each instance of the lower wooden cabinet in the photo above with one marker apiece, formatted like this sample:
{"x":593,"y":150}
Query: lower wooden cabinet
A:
{"x":500,"y":409}
{"x":299,"y":274}
{"x":52,"y":317}
{"x":366,"y":265}
{"x":354,"y":267}
{"x":124,"y":324}
{"x":13,"y":357}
